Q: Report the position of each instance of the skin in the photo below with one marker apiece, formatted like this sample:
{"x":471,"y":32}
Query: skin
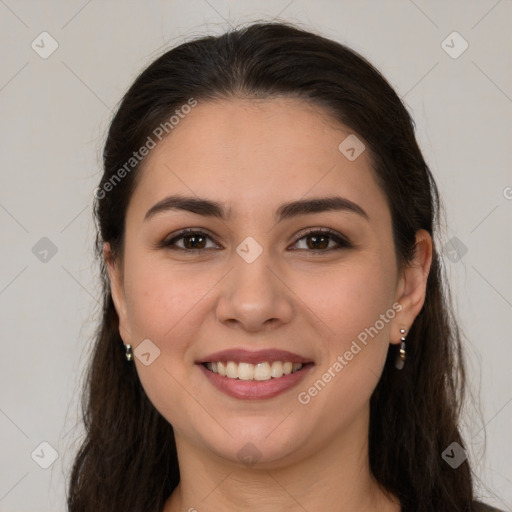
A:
{"x":252,"y":156}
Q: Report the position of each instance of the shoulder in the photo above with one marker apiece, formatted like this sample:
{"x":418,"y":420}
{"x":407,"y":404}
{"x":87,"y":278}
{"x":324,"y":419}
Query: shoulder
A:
{"x":482,"y":507}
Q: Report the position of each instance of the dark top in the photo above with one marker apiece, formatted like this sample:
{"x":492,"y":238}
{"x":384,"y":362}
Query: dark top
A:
{"x":480,"y":507}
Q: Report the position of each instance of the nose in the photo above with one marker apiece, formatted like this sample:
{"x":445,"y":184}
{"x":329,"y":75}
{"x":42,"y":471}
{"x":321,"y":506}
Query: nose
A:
{"x":254,"y":297}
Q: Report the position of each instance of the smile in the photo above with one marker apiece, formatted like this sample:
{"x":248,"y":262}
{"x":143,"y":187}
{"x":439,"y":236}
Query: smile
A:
{"x":258,"y":372}
{"x":254,"y":374}
{"x":257,"y":383}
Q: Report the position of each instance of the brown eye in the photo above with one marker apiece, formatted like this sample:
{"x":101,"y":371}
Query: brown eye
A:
{"x":196,"y":241}
{"x":323,"y":241}
{"x":192,"y":241}
{"x":318,"y":241}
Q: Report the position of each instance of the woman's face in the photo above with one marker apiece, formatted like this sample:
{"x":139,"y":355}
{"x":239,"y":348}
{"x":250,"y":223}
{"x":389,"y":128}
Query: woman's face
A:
{"x":250,"y":280}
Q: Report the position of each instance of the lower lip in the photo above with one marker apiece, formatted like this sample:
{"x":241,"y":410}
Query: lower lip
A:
{"x":255,"y":389}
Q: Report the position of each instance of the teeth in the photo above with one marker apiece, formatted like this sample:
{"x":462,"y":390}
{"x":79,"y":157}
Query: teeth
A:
{"x":248,"y":371}
{"x":276,"y":370}
{"x":245,"y":371}
{"x":232,"y":370}
{"x":262,"y":371}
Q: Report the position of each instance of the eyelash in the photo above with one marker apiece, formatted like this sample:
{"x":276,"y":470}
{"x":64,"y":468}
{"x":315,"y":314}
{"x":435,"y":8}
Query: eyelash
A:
{"x":342,"y":242}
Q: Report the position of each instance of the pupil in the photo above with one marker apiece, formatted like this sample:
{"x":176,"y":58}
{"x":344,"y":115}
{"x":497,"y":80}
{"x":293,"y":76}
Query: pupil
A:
{"x":315,"y":240}
{"x":193,"y":239}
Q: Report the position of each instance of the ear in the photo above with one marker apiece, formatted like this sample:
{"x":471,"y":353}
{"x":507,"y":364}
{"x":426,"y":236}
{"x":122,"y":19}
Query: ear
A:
{"x":412,"y":285}
{"x":115,"y":275}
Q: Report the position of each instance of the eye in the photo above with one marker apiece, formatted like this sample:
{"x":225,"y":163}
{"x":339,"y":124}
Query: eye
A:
{"x":317,"y":240}
{"x":193,"y":240}
{"x":321,"y":239}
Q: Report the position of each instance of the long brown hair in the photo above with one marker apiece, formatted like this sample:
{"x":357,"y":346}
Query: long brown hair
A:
{"x":128,"y":458}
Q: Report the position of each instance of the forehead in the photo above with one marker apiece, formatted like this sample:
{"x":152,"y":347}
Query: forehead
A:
{"x":243,"y":152}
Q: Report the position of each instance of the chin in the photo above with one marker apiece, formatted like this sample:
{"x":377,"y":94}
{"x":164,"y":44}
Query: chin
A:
{"x":260,"y":445}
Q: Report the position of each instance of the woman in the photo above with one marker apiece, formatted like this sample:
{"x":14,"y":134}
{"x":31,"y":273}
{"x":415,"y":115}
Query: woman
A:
{"x":276,"y":334}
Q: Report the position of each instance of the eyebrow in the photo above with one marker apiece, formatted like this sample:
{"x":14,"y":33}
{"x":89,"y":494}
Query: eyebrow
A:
{"x":209,"y":208}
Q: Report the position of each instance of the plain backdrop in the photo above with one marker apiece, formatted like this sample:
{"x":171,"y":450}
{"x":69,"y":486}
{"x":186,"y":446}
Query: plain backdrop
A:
{"x":54,"y":115}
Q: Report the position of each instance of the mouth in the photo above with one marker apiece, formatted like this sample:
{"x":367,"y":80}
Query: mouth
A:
{"x":262,"y":371}
{"x":254,"y":375}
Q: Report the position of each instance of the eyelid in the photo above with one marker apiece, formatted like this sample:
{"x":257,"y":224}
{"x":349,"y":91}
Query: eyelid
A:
{"x":325,"y":231}
{"x":173,"y":237}
{"x":341,"y":240}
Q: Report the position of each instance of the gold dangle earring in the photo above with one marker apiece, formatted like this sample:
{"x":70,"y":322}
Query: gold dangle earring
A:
{"x":129,"y":353}
{"x":400,"y":358}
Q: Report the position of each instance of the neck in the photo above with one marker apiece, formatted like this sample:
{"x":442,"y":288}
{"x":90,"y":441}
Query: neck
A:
{"x":334,"y":478}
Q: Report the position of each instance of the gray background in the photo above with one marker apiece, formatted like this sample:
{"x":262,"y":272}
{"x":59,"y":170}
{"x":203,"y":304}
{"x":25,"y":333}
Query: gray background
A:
{"x":54,"y":114}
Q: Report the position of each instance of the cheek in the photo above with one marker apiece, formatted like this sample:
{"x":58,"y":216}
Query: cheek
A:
{"x":357,"y":307}
{"x":349,"y":299}
{"x":165,"y":305}
{"x":159,"y":297}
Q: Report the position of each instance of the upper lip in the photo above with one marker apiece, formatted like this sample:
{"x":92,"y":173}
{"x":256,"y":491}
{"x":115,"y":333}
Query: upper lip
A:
{"x":239,"y":355}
